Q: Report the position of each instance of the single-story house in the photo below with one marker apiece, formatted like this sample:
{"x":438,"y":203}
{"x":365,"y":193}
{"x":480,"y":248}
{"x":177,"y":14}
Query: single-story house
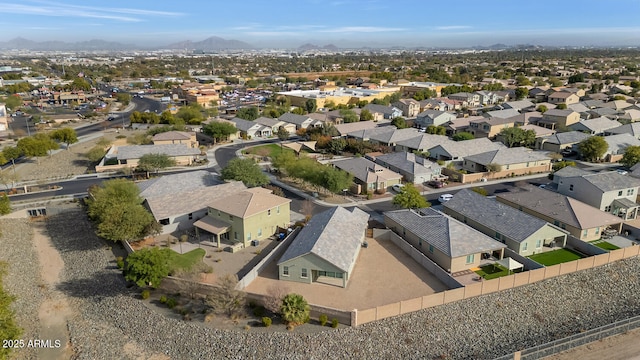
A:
{"x":521,"y":232}
{"x":560,"y":141}
{"x":176,"y":137}
{"x":449,"y":243}
{"x":275,"y":125}
{"x":581,"y":220}
{"x":326,"y":249}
{"x":251,"y":129}
{"x":120,"y":157}
{"x":507,"y":159}
{"x":422,"y":142}
{"x":380,"y":112}
{"x":300,"y":121}
{"x":617,"y":144}
{"x":433,"y":117}
{"x":369,"y":175}
{"x":413,"y":168}
{"x":458,"y":150}
{"x":596,"y":126}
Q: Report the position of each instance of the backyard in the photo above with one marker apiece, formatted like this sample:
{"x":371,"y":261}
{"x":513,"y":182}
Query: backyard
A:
{"x":556,"y":257}
{"x":187,"y":260}
{"x":493,"y":271}
{"x":270,"y":150}
{"x":604,"y":245}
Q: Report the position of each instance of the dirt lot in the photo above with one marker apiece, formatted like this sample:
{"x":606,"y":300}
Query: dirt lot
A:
{"x":383,"y":274}
{"x":619,"y":347}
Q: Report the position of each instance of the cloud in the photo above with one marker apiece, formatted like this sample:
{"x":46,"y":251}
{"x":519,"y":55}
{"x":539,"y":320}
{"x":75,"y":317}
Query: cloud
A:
{"x":453,"y":27}
{"x":361,"y":29}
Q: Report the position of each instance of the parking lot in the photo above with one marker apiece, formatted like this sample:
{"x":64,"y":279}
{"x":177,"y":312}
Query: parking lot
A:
{"x":383,"y":274}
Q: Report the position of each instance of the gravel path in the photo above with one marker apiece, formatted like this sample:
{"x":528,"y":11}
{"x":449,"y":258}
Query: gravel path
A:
{"x":114,"y":324}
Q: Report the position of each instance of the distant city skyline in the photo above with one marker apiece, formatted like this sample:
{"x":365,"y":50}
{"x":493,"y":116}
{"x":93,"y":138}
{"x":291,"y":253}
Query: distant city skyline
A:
{"x":344,"y":23}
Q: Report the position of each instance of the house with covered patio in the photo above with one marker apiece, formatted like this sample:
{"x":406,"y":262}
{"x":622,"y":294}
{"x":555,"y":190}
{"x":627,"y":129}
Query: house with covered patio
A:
{"x":244,"y":216}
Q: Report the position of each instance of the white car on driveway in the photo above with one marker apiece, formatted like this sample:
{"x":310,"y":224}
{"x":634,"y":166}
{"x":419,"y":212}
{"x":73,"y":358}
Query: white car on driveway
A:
{"x":397,"y":187}
{"x":445,"y":197}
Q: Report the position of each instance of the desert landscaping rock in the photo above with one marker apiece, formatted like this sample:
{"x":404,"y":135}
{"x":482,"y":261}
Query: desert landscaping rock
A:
{"x":112,"y":322}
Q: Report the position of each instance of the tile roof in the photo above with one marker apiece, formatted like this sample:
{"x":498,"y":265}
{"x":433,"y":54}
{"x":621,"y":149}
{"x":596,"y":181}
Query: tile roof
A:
{"x":507,"y":156}
{"x":632,"y":129}
{"x":249,"y":202}
{"x":618,"y":143}
{"x":424,"y":141}
{"x":346,"y":128}
{"x":597,"y":125}
{"x":366,"y":170}
{"x":504,"y":219}
{"x":173,"y":135}
{"x":174,"y":183}
{"x":245,"y":125}
{"x":334,"y":235}
{"x":137,"y":151}
{"x":610,"y":181}
{"x":560,"y":207}
{"x":265,"y":121}
{"x":506,"y":113}
{"x":293,"y":118}
{"x":519,"y":104}
{"x":539,"y":130}
{"x":392,"y":137}
{"x":558,"y":112}
{"x":365,"y":134}
{"x":569,"y":137}
{"x":461,"y":149}
{"x":184,"y":202}
{"x":408,"y":162}
{"x":446,"y":234}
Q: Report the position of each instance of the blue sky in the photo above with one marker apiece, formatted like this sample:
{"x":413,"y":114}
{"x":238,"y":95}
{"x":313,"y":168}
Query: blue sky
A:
{"x":291,"y":23}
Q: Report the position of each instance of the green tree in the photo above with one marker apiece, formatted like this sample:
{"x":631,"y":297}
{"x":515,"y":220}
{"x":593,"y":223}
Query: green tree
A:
{"x":480,"y":190}
{"x":295,"y":310}
{"x":117,"y":209}
{"x":248,"y":113}
{"x":38,"y":145}
{"x":191,"y":114}
{"x":542,"y":109}
{"x":310,"y":105}
{"x":282,"y":133}
{"x":11,"y":153}
{"x":9,"y":329}
{"x":5,"y":205}
{"x":335,"y":180}
{"x":516,"y":136}
{"x":348,"y":116}
{"x":399,"y":122}
{"x":219,"y":130}
{"x":148,"y":266}
{"x":561,"y":106}
{"x":124,"y":98}
{"x":95,"y":154}
{"x":631,"y":156}
{"x":245,"y":170}
{"x":462,"y":136}
{"x":521,"y":93}
{"x":366,"y":115}
{"x":436,"y":130}
{"x":593,"y":148}
{"x":155,"y":162}
{"x":576,"y":78}
{"x":563,"y":164}
{"x":13,"y":102}
{"x":409,"y":198}
{"x":65,"y":135}
{"x":337,"y":146}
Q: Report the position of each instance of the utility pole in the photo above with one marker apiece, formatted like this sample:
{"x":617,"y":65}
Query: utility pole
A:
{"x":26,"y":120}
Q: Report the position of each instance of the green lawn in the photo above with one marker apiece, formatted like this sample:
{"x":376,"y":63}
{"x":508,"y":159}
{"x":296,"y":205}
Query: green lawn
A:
{"x":606,"y":246}
{"x":493,"y":271}
{"x":186,"y":260}
{"x":267,"y":150}
{"x":555,"y":257}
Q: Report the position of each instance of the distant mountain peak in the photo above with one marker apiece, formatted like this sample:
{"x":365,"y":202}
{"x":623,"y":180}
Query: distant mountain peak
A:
{"x":211,"y":43}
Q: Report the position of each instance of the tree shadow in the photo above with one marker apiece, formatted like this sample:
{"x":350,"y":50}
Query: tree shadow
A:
{"x":100,"y":284}
{"x":70,"y":230}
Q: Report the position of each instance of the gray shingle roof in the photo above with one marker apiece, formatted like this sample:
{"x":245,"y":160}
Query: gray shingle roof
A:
{"x":395,"y":136}
{"x":507,"y":113}
{"x":632,"y":129}
{"x":461,"y":149}
{"x":293,"y":118}
{"x":424,"y":141}
{"x":498,"y":217}
{"x":507,"y":156}
{"x":569,"y":137}
{"x":267,"y":121}
{"x":619,"y":143}
{"x":610,"y":180}
{"x":137,"y":151}
{"x":176,"y":183}
{"x":446,"y":234}
{"x":597,"y":125}
{"x":172,"y":135}
{"x":366,"y":170}
{"x":382,"y":109}
{"x":245,"y":125}
{"x":334,"y":235}
{"x":408,"y":162}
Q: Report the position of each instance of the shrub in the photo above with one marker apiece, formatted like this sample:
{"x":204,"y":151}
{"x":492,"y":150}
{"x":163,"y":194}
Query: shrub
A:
{"x":266,"y":321}
{"x":209,"y":317}
{"x":120,"y":262}
{"x":163,"y":299}
{"x":323,"y":319}
{"x":334,"y":323}
{"x":145,"y":294}
{"x":171,"y":303}
{"x":258,"y":311}
{"x":247,"y":327}
{"x":121,"y":137}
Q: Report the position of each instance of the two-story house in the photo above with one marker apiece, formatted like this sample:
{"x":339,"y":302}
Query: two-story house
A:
{"x":410,"y":108}
{"x":608,"y":191}
{"x":433,"y":117}
{"x":468,"y":99}
{"x":563,"y":97}
{"x":381,"y":112}
{"x":555,"y":118}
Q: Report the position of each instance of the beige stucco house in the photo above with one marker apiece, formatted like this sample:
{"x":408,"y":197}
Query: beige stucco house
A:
{"x":176,"y":137}
{"x":507,"y":159}
{"x":563,"y":97}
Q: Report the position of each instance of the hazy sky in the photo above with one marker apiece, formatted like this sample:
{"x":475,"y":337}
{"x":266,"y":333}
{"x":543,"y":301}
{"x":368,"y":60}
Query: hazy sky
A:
{"x":291,"y":23}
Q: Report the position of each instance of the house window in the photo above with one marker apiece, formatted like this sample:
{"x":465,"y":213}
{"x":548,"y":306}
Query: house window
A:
{"x":230,"y":217}
{"x":470,"y":258}
{"x":598,"y":230}
{"x":629,"y":192}
{"x":164,"y":222}
{"x":556,"y":223}
{"x":259,"y":232}
{"x":607,"y":208}
{"x":218,"y":213}
{"x":562,"y":226}
{"x":620,"y":193}
{"x":249,"y":236}
{"x":431,"y":249}
{"x":527,"y":164}
{"x":285,"y":271}
{"x":303,"y":273}
{"x":278,"y":210}
{"x":524,"y":246}
{"x":190,"y":216}
{"x":235,"y":235}
{"x":498,"y":236}
{"x":269,"y":212}
{"x":585,"y":232}
{"x":571,"y":187}
{"x":538,"y":243}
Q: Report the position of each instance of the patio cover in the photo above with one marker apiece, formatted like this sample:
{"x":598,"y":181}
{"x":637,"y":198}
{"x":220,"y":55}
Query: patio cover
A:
{"x":212,"y":225}
{"x":510,"y":264}
{"x":297,"y":146}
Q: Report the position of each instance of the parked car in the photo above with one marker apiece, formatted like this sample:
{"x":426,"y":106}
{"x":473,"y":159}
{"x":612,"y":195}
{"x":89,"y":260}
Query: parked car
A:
{"x":622,"y":171}
{"x":568,"y":152}
{"x":445,"y":197}
{"x":436,"y":184}
{"x":397,"y":187}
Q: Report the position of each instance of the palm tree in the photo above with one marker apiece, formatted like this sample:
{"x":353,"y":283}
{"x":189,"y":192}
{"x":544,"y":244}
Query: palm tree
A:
{"x":295,"y":309}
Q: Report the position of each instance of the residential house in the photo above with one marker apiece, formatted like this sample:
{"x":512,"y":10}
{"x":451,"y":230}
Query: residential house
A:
{"x":563,"y":97}
{"x":630,"y":115}
{"x":458,"y":150}
{"x":461,"y":124}
{"x":540,"y":93}
{"x":326,"y":249}
{"x":436,"y":104}
{"x":575,"y":90}
{"x":618,"y":105}
{"x":410,"y":108}
{"x":368,"y":175}
{"x":503,"y":114}
{"x":275,"y":125}
{"x":581,"y":220}
{"x":251,"y":129}
{"x":177,"y":201}
{"x":487,"y":97}
{"x":490,"y":127}
{"x":520,"y":105}
{"x":597,"y":126}
{"x":381,"y":112}
{"x":245,"y":216}
{"x":555,"y":118}
{"x":422,"y":142}
{"x":300,"y":121}
{"x":505,"y":95}
{"x":617,"y":144}
{"x":449,"y":243}
{"x":523,"y":233}
{"x":605,"y":111}
{"x":4,"y":118}
{"x":344,"y":129}
{"x":176,"y":137}
{"x":366,"y":133}
{"x":433,"y":117}
{"x":415,"y":169}
{"x":505,"y":158}
{"x":632,"y":129}
{"x":468,"y":99}
{"x":608,"y":191}
{"x":391,"y":138}
{"x":560,"y":141}
{"x":120,"y":157}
